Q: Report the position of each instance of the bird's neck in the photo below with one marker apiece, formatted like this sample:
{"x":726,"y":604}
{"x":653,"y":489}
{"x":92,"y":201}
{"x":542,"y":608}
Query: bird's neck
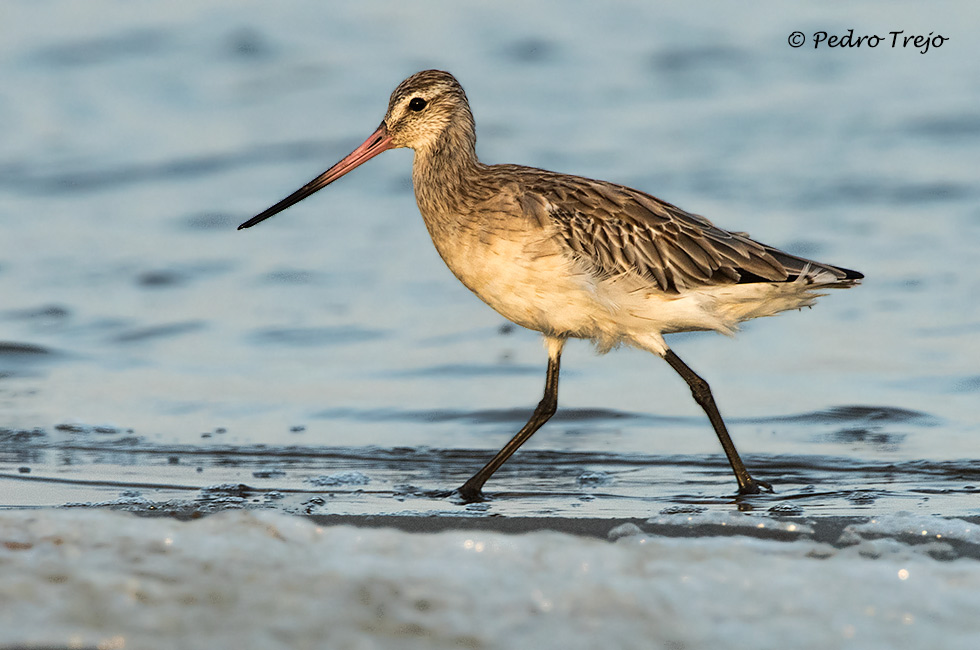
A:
{"x":445,"y":172}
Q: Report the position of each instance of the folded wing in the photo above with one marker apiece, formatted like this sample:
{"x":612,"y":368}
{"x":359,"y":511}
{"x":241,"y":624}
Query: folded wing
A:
{"x":618,"y":230}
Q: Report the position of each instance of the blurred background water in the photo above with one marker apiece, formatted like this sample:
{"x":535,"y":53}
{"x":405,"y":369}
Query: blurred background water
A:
{"x":328,"y":362}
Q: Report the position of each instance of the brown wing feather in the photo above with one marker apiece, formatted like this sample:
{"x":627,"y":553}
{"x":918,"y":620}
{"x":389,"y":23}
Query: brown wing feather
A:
{"x":620,"y":230}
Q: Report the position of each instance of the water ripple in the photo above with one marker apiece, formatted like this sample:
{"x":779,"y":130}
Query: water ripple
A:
{"x":315,"y":336}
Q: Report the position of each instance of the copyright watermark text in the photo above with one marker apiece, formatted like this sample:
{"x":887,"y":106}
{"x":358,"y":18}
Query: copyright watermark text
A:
{"x":897,"y":39}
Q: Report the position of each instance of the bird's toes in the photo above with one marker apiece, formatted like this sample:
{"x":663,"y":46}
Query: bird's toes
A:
{"x":755,"y":486}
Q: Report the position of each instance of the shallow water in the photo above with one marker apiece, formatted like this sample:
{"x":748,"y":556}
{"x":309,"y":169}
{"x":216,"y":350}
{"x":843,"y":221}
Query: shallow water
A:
{"x":327,"y":362}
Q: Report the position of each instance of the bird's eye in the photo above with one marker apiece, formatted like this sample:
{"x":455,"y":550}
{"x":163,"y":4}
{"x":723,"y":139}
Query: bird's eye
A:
{"x":416,"y":104}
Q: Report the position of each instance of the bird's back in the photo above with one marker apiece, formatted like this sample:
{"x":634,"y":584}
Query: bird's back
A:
{"x":617,"y":230}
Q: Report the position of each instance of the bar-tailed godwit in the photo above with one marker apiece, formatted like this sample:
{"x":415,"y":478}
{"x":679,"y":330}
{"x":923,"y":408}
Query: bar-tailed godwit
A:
{"x":572,"y":257}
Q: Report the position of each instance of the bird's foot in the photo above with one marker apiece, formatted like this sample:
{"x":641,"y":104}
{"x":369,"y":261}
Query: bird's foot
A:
{"x":468,"y":493}
{"x":754,"y":486}
{"x":464,"y":495}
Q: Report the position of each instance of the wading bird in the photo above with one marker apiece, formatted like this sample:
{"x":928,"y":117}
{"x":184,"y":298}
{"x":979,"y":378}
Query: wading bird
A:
{"x":572,"y":257}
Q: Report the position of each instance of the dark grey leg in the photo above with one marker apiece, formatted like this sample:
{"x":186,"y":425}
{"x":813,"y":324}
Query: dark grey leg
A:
{"x":472,"y":490}
{"x":702,"y":395}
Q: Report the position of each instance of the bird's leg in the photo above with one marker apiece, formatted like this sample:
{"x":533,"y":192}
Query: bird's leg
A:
{"x":472,"y":490}
{"x":702,"y":395}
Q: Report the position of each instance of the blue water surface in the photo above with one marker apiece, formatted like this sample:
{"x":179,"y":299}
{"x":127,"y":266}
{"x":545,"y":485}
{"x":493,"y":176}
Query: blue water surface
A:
{"x":149,"y":352}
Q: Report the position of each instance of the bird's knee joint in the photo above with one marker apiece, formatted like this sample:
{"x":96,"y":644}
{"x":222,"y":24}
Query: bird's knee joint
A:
{"x":700,"y":390}
{"x":547,"y":408}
